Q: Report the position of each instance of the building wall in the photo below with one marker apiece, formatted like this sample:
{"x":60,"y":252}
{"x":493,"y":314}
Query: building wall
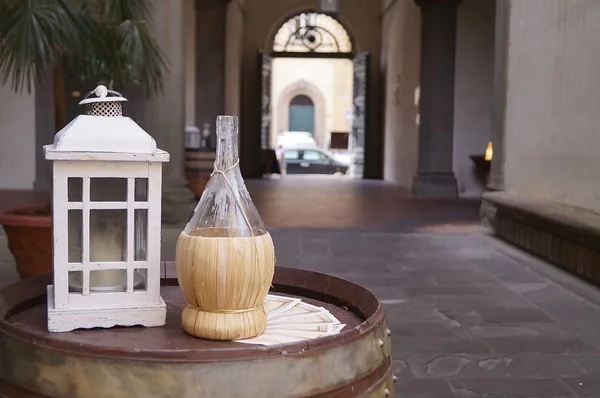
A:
{"x":400,"y":63}
{"x":552,"y":140}
{"x":163,"y":116}
{"x":328,"y":82}
{"x":473,"y":92}
{"x":262,"y":20}
{"x":17,"y":139}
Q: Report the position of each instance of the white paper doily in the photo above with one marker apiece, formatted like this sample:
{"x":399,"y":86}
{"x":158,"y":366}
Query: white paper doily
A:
{"x":290,"y":320}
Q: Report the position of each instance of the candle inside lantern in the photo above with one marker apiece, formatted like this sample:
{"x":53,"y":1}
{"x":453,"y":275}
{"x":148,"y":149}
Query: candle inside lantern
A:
{"x":107,"y":244}
{"x":108,"y":234}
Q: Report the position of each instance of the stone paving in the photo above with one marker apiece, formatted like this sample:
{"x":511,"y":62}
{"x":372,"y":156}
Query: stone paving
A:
{"x":470,"y":315}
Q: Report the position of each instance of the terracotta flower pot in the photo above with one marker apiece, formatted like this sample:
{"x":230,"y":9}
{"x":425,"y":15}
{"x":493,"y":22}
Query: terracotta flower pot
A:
{"x":29,"y":233}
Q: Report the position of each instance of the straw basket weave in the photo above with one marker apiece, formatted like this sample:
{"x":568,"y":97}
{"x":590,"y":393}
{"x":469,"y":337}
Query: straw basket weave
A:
{"x":225,"y":281}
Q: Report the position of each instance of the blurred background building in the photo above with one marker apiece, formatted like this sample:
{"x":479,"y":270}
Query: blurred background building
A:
{"x":419,"y":88}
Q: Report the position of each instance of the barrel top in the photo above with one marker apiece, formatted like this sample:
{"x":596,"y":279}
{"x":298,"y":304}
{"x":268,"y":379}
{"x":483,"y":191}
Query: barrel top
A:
{"x":23,"y":316}
{"x":201,"y":150}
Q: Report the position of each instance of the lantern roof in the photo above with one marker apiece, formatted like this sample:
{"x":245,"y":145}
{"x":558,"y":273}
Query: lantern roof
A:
{"x":103,"y":133}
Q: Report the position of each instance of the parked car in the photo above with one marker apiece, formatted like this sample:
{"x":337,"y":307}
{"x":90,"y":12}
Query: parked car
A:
{"x":303,"y":160}
{"x":296,"y":138}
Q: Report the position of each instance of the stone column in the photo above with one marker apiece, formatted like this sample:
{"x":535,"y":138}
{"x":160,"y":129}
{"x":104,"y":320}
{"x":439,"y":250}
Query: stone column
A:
{"x":435,"y":177}
{"x":233,"y":57}
{"x":44,"y":130}
{"x":496,"y":181}
{"x":163,"y":115}
{"x":211,"y":28}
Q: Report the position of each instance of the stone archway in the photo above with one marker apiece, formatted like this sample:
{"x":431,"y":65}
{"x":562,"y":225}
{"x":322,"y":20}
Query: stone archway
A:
{"x":313,"y":35}
{"x":281,"y":111}
{"x":261,"y":23}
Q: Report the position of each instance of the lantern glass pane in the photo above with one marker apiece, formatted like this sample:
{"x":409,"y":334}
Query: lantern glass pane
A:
{"x":141,"y":234}
{"x":76,"y":276}
{"x":108,"y":189}
{"x":141,"y":280}
{"x":74,"y":228}
{"x":109,"y":280}
{"x":141,"y":189}
{"x":108,"y":235}
{"x":74,"y":188}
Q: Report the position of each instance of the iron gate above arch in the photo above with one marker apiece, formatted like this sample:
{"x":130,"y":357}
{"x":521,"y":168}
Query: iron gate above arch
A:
{"x":312,"y":33}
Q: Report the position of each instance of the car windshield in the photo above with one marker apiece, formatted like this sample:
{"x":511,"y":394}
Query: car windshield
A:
{"x":314,"y":155}
{"x":291,"y":155}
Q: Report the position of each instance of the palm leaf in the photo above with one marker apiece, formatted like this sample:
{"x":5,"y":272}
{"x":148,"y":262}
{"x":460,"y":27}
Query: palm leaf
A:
{"x":145,"y":61}
{"x":112,"y":11}
{"x":103,"y":40}
{"x":126,"y":53}
{"x":34,"y":35}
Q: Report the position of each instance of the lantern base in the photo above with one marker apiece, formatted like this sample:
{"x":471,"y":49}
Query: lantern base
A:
{"x":66,"y":320}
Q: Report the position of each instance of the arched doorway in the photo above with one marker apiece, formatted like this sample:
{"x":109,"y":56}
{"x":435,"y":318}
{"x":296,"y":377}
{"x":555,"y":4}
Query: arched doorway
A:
{"x":302,"y":114}
{"x":309,"y":37}
{"x":280,"y":113}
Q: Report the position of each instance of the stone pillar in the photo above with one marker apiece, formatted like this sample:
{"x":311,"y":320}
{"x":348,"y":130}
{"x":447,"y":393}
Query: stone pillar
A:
{"x":163,"y":115}
{"x":190,"y":63}
{"x":233,"y":57}
{"x":435,"y":177}
{"x":496,"y":181}
{"x":211,"y":28}
{"x":44,"y":130}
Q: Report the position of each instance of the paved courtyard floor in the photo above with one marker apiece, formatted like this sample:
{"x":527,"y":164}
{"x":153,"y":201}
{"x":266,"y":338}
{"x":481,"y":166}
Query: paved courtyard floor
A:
{"x":470,"y":315}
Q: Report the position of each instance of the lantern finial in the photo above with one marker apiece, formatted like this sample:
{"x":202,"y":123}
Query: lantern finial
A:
{"x":105,"y":103}
{"x":101,"y":91}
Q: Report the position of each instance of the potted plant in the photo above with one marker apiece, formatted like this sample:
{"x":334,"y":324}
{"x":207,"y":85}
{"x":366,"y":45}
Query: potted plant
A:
{"x":101,"y":42}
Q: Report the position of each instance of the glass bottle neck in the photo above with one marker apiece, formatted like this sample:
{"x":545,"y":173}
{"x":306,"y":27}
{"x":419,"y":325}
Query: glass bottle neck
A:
{"x":227,"y":145}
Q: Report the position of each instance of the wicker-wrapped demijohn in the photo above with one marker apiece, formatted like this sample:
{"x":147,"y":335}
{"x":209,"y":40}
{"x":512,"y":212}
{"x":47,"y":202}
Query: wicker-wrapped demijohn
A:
{"x":225,"y":258}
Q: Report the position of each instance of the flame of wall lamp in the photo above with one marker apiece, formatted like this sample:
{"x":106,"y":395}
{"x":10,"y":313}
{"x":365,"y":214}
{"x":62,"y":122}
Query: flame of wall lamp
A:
{"x":489,"y":152}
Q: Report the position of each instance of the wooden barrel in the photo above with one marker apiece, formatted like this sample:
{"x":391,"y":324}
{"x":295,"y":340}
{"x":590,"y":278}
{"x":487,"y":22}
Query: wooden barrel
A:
{"x":199,"y":164}
{"x":166,"y":362}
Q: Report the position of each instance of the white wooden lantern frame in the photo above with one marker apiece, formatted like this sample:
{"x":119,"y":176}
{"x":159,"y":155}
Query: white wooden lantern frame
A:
{"x":92,"y":147}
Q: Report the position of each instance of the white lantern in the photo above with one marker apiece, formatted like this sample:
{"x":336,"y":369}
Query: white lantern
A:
{"x":106,"y":215}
